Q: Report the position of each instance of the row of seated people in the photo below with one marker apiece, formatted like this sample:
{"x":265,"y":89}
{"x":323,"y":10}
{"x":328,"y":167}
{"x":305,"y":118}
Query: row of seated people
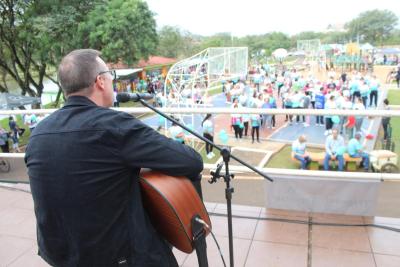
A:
{"x":335,"y":149}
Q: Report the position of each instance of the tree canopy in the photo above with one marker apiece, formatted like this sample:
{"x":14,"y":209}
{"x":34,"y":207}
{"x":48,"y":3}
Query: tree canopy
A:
{"x":123,"y":30}
{"x":373,"y":26}
{"x":171,"y":41}
{"x":18,"y":59}
{"x":36,"y":34}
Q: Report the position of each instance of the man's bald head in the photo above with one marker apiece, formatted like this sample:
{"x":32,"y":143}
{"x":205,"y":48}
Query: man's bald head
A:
{"x":302,"y":138}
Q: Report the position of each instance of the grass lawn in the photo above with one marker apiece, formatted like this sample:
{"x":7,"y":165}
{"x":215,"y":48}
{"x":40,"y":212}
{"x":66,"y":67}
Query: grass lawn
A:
{"x":215,"y":90}
{"x":394,"y":99}
{"x":23,"y":140}
{"x":203,"y":154}
{"x":283,"y":160}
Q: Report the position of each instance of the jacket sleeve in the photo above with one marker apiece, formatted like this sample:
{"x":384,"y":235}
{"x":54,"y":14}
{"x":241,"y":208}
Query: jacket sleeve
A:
{"x":142,"y":147}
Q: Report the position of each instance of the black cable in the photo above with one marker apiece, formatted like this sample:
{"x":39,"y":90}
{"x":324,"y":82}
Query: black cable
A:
{"x":310,"y":223}
{"x":219,"y":249}
{"x":215,"y":239}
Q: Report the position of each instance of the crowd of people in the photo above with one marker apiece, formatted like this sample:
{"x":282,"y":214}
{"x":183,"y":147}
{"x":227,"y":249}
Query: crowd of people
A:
{"x":292,"y":90}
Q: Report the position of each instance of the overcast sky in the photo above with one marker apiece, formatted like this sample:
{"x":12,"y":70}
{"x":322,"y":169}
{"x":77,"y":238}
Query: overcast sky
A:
{"x":207,"y":17}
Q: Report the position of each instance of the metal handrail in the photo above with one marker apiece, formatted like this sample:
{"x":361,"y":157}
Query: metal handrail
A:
{"x":198,"y":110}
{"x":275,"y":172}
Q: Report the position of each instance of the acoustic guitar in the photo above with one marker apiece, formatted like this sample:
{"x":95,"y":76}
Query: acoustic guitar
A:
{"x":171,"y":203}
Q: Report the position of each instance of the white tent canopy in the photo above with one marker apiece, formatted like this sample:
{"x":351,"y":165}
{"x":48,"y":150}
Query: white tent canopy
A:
{"x":280,"y":53}
{"x":126,"y":72}
{"x":11,"y":101}
{"x":367,"y":46}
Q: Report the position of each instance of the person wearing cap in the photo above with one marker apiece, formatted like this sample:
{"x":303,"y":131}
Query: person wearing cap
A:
{"x":299,"y":151}
{"x":354,"y":149}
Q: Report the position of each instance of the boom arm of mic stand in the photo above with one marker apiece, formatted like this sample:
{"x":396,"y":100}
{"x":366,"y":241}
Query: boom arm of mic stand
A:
{"x":203,"y":139}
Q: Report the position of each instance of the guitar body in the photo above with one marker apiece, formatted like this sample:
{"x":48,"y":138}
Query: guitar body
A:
{"x":171,"y":202}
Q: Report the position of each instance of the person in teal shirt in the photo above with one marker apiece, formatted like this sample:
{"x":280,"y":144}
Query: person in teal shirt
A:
{"x":354,"y":148}
{"x":177,"y":134}
{"x":255,"y":125}
{"x":299,"y":151}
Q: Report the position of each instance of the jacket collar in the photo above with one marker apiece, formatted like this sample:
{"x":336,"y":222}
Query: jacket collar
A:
{"x":77,"y":100}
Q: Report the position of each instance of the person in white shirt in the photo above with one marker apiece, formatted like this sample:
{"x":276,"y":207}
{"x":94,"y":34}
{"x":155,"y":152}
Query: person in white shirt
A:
{"x":332,"y":74}
{"x":334,"y":145}
{"x":294,"y":75}
{"x":176,"y":133}
{"x":330,"y":104}
{"x":208,"y":132}
{"x":31,"y":121}
{"x":374,"y":86}
{"x":358,"y":105}
{"x":237,"y":121}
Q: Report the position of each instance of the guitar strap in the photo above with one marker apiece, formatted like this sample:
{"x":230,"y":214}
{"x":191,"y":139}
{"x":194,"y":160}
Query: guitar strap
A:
{"x":199,"y":234}
{"x":197,"y":186}
{"x":199,"y":240}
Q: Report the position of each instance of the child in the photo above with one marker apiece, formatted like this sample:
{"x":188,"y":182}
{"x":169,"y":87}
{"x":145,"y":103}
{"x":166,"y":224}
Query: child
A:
{"x":14,"y":138}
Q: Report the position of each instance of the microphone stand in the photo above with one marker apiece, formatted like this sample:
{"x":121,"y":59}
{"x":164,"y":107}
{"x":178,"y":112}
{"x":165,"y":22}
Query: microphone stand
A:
{"x":226,"y":155}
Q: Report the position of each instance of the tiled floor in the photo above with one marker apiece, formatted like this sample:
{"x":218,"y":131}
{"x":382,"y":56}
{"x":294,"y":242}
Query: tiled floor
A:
{"x":257,"y":242}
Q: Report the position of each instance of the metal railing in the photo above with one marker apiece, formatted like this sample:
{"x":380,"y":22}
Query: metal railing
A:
{"x":278,"y":111}
{"x":269,"y":171}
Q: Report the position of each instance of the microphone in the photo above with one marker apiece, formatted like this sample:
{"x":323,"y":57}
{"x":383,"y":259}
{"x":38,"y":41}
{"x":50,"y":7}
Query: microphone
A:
{"x":125,"y":97}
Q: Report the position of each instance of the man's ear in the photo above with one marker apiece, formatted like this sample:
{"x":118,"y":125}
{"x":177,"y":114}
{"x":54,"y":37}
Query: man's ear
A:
{"x":100,"y":82}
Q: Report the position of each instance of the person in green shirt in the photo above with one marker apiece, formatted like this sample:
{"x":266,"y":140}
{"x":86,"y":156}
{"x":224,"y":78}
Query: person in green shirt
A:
{"x":354,"y":148}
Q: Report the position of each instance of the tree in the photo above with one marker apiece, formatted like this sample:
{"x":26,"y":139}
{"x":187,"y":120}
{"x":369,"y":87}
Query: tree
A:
{"x":275,"y":40}
{"x":308,"y":35}
{"x":33,"y":37}
{"x":54,"y":22}
{"x":17,"y":48}
{"x":373,"y":26}
{"x":394,"y":38}
{"x":191,"y":44}
{"x":335,"y":38}
{"x":171,"y":42}
{"x":223,"y":39}
{"x":123,"y":30}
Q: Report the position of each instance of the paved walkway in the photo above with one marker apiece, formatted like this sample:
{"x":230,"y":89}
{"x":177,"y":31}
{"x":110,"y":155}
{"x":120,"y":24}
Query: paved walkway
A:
{"x":257,"y":242}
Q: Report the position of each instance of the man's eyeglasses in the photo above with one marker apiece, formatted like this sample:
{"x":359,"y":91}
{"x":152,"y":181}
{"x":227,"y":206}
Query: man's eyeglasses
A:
{"x":112,"y":72}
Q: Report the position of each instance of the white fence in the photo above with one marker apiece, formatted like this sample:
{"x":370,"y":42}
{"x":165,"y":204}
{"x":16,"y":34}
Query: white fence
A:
{"x":268,"y":171}
{"x":369,"y":113}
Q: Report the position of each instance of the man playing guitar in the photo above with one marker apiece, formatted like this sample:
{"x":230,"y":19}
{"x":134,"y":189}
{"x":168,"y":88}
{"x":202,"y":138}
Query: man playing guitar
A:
{"x":84,"y":162}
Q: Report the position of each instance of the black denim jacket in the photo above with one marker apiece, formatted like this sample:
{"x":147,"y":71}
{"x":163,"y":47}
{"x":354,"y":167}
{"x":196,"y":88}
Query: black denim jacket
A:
{"x":83,"y":163}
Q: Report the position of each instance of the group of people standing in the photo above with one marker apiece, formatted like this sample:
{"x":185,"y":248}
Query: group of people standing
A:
{"x":294,"y":91}
{"x":357,"y":93}
{"x":13,"y":134}
{"x":250,"y":95}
